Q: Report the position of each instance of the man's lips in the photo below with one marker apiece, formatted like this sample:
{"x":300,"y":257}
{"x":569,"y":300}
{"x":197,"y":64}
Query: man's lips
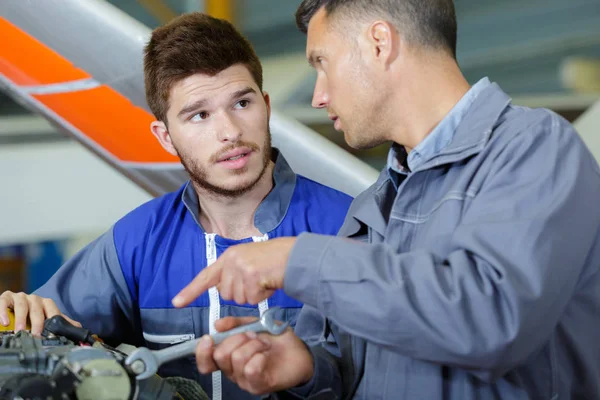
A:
{"x":239,"y":152}
{"x":337,"y":124}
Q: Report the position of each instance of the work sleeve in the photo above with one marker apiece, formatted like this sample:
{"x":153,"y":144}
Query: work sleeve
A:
{"x":495,"y":299}
{"x":90,"y":288}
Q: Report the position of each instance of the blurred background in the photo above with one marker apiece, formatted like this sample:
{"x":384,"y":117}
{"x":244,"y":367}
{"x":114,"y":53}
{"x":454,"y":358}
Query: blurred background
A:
{"x":56,"y":196}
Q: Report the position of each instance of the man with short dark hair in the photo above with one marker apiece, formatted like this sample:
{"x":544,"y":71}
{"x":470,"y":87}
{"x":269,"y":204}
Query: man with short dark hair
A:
{"x":469,"y":270}
{"x":204,"y":85}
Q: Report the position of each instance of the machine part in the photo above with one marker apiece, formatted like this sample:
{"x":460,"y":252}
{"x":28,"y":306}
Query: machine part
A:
{"x":125,"y":348}
{"x":28,"y":386}
{"x":187,"y":388}
{"x":157,"y":388}
{"x":53,"y":367}
{"x":144,"y":362}
{"x":22,"y":353}
{"x":11,"y":339}
{"x":105,"y":380}
{"x":59,"y":326}
{"x":88,"y":367}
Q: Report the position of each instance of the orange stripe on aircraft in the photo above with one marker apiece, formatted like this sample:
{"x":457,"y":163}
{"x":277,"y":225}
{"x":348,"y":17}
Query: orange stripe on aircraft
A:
{"x":26,"y":61}
{"x":102,"y":114}
{"x":111,"y":121}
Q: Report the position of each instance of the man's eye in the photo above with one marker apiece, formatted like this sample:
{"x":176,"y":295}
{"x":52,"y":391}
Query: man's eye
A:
{"x":199,"y":116}
{"x":243,"y":103}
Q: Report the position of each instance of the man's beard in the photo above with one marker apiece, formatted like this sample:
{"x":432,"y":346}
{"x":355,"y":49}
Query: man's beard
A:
{"x":198,"y":174}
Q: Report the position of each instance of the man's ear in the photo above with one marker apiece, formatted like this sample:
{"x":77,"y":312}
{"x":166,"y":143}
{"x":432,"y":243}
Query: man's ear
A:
{"x":268,"y":103}
{"x":161,"y":133}
{"x":384,"y":41}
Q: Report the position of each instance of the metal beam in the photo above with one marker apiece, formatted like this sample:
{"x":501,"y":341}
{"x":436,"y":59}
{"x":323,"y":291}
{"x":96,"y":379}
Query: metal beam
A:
{"x":223,"y":9}
{"x":23,"y":129}
{"x":25,"y":125}
{"x":158,"y":9}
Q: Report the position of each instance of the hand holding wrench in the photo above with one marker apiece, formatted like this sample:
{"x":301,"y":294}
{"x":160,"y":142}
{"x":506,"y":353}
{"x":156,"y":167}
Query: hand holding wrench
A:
{"x":145,"y":362}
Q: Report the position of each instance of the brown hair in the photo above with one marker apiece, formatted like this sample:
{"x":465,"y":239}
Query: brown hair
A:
{"x":189,"y":44}
{"x":430,"y":23}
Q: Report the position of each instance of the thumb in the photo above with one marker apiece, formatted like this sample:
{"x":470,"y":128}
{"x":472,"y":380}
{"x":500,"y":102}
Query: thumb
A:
{"x":228,"y":323}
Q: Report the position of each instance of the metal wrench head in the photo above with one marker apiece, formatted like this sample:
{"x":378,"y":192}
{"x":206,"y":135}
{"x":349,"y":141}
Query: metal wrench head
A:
{"x":142,"y":363}
{"x":267,"y":320}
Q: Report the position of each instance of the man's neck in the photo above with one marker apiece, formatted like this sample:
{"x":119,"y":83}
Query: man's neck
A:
{"x":233,"y":218}
{"x":438,"y":87}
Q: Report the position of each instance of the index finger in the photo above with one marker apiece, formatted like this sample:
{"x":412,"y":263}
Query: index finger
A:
{"x":209,"y":277}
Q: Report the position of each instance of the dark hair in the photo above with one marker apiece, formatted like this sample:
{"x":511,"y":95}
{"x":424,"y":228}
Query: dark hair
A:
{"x":429,"y":23}
{"x":189,"y":44}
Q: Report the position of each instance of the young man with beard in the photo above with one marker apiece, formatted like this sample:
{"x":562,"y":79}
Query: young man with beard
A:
{"x":470,"y":269}
{"x":204,"y":85}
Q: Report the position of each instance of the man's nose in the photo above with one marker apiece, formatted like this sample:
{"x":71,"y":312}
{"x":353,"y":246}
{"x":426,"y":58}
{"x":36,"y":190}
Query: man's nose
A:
{"x":320,"y":96}
{"x":229,"y":130}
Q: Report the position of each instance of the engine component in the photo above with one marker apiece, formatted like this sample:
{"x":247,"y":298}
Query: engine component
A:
{"x":59,"y":326}
{"x":56,"y":367}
